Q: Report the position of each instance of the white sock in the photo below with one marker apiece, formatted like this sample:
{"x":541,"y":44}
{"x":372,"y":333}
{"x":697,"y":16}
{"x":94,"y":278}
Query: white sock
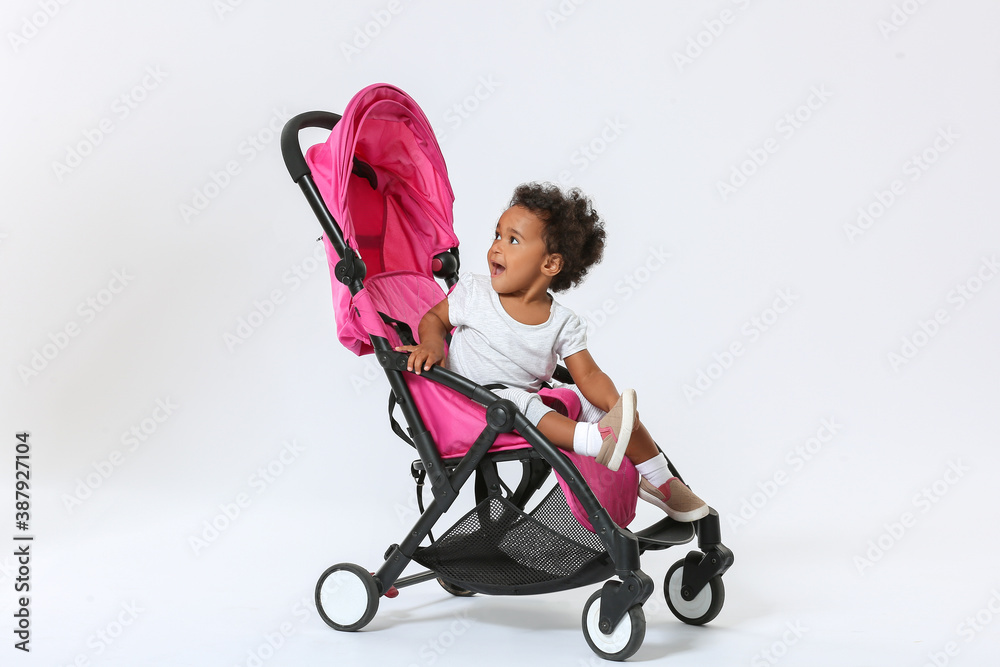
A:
{"x":655,"y":470}
{"x":587,"y":439}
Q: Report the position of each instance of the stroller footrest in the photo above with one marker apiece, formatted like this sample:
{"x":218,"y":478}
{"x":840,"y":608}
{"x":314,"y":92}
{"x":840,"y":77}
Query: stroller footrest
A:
{"x":665,"y":533}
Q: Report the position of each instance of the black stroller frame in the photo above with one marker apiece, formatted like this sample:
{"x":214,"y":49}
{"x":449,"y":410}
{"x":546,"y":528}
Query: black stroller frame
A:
{"x":499,"y":519}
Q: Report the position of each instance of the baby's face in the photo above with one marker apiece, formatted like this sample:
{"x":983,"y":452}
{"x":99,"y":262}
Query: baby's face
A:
{"x":518,"y":253}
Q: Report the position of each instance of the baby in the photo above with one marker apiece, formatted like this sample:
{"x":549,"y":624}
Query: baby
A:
{"x":509,"y":330}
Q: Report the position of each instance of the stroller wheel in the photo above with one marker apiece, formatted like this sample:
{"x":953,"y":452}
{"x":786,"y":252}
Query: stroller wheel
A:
{"x":701,"y":609}
{"x":623,"y":641}
{"x":455,"y":590}
{"x":346,"y":597}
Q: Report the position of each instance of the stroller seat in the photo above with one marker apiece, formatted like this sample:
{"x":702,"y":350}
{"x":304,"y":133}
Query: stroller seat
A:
{"x":392,"y":304}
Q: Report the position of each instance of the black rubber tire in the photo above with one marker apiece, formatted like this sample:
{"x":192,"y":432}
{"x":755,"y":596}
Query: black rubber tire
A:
{"x":349,"y":602}
{"x":457,"y":591}
{"x":703,"y":608}
{"x":623,"y":641}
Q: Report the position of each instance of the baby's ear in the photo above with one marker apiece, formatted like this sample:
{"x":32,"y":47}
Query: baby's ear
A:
{"x":553,"y":265}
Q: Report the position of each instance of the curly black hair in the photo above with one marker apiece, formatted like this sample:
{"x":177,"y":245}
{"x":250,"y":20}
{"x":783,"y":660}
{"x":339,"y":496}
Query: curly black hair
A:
{"x":573,"y":228}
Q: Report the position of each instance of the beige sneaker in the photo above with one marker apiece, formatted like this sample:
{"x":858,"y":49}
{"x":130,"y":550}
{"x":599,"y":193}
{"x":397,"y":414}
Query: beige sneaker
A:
{"x":616,"y":429}
{"x":674,"y":498}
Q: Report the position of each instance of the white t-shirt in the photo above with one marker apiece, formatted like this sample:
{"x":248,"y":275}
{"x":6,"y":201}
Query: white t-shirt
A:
{"x":489,"y":346}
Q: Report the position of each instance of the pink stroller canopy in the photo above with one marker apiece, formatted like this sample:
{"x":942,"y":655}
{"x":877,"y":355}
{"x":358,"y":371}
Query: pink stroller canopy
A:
{"x":397,"y":217}
{"x":407,"y":219}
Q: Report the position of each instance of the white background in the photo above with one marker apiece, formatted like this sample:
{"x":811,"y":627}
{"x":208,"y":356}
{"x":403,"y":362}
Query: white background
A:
{"x":646,"y":106}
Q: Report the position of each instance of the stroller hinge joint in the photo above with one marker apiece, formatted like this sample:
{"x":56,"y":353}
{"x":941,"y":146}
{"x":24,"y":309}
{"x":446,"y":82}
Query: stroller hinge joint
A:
{"x":618,"y":597}
{"x":700,"y":568}
{"x":500,"y":415}
{"x":349,"y":269}
{"x":394,"y":361}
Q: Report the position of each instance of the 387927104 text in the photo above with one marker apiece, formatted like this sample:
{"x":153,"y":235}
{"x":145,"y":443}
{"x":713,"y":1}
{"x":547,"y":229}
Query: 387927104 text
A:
{"x":22,"y":541}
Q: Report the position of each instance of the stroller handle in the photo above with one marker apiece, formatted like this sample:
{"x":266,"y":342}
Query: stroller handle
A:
{"x":291,"y":151}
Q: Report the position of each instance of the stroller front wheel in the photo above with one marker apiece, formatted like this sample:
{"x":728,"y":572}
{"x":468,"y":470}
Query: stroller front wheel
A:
{"x":346,"y":597}
{"x":623,"y":641}
{"x":699,"y":610}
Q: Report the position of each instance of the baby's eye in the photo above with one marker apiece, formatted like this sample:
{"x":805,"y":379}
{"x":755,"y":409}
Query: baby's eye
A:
{"x":513,"y":241}
{"x":496,"y":235}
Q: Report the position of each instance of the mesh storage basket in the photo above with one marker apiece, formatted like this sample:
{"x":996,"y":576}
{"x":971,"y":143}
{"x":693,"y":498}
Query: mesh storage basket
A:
{"x":498,"y":549}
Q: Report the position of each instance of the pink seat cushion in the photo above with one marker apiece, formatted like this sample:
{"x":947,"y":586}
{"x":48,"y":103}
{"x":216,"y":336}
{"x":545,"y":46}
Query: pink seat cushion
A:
{"x":456,"y":428}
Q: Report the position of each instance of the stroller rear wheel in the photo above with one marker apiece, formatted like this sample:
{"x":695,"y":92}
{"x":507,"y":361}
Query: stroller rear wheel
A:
{"x":623,"y":641}
{"x":346,"y":597}
{"x":457,"y":591}
{"x":700,"y":609}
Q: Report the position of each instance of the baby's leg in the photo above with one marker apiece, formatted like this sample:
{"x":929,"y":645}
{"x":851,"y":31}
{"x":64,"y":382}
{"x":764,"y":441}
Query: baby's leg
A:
{"x":657,"y":486}
{"x":641,"y":447}
{"x":565,"y":433}
{"x":582,"y":437}
{"x":593,"y":438}
{"x":558,"y":429}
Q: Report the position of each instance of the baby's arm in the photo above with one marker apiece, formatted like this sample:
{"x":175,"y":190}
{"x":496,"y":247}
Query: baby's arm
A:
{"x":434,"y":326}
{"x":594,"y":383}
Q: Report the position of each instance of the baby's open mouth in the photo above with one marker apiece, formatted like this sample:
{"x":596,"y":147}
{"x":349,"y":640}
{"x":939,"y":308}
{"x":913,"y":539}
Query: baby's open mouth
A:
{"x":496,"y":269}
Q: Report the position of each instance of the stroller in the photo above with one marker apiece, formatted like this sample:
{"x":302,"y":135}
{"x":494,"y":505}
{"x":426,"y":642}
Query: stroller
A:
{"x":380,"y":190}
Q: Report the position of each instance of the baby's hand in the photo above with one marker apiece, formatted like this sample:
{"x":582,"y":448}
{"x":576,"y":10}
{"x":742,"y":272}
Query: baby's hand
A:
{"x":422,"y":357}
